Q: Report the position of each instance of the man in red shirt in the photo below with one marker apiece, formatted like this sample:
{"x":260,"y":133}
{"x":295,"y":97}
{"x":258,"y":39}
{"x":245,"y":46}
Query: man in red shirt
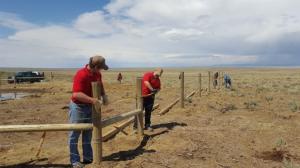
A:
{"x":81,"y":108}
{"x":150,"y":86}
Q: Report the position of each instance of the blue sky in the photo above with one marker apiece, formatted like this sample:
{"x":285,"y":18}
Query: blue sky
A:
{"x":48,"y":11}
{"x":149,"y":33}
{"x":43,"y":11}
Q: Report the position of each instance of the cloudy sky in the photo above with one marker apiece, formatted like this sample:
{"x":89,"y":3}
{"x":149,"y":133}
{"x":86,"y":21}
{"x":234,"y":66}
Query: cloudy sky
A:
{"x":149,"y":33}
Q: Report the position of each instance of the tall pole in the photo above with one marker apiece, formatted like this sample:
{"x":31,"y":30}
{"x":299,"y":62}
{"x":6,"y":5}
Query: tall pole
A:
{"x":200,"y":84}
{"x":97,"y":129}
{"x":182,"y":89}
{"x":140,"y":116}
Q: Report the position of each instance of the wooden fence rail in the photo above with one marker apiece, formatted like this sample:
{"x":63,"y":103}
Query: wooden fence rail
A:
{"x":44,"y":127}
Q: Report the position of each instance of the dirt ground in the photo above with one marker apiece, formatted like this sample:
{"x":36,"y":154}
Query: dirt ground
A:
{"x":254,"y":125}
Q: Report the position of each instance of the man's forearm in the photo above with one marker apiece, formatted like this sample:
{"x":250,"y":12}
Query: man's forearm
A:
{"x":83,"y":97}
{"x":148,"y":85}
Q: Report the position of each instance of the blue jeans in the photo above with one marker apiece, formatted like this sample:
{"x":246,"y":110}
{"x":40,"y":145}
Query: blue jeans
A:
{"x":80,"y":114}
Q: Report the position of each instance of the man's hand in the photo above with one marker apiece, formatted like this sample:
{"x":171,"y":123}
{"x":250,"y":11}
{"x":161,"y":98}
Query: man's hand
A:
{"x":94,"y":101}
{"x":105,"y":99}
{"x":154,"y":91}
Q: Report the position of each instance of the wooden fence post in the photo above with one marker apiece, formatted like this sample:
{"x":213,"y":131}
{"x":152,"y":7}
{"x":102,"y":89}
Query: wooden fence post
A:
{"x":97,"y":129}
{"x":51,"y":76}
{"x":219,"y":80}
{"x":209,"y":80}
{"x":182,"y":89}
{"x":222,"y":78}
{"x":200,"y":84}
{"x":140,"y":116}
{"x":15,"y":83}
{"x":1,"y":79}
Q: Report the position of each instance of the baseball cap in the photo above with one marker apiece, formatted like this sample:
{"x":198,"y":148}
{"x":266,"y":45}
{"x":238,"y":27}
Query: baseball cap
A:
{"x":99,"y":61}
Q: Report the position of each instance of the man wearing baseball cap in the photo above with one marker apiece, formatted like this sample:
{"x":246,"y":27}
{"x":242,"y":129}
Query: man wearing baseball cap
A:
{"x":81,"y":108}
{"x":151,"y":85}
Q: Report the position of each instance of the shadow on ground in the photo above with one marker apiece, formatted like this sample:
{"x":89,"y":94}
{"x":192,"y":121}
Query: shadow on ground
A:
{"x":119,"y":156}
{"x":132,"y":154}
{"x":31,"y":164}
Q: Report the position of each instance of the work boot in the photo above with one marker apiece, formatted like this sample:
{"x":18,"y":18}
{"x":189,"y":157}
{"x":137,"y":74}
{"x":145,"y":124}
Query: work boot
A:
{"x":78,"y":165}
{"x":86,"y":162}
{"x":149,"y":128}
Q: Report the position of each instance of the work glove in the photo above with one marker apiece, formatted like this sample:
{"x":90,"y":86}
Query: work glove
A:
{"x":154,"y":91}
{"x":104,"y":99}
{"x":97,"y":103}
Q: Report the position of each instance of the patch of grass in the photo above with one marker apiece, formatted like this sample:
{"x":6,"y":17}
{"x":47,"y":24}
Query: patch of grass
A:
{"x":228,"y":107}
{"x":293,"y":106}
{"x":280,"y":144}
{"x":269,"y":99}
{"x":251,"y":105}
{"x":289,"y":164}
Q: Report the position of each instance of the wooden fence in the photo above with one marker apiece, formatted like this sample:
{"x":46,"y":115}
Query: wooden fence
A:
{"x":97,"y":123}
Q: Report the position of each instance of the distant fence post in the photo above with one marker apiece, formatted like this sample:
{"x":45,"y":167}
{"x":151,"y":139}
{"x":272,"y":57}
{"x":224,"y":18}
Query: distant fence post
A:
{"x":51,"y":76}
{"x":219,"y":80}
{"x":97,"y":129}
{"x":15,"y":83}
{"x":209,"y":80}
{"x":1,"y":79}
{"x":182,"y":89}
{"x":200,"y":84}
{"x":222,"y":78}
{"x":140,"y":116}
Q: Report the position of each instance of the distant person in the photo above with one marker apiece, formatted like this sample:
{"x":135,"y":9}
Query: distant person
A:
{"x":215,"y":82}
{"x":151,"y":85}
{"x":81,"y":108}
{"x":120,"y":77}
{"x":227,"y":81}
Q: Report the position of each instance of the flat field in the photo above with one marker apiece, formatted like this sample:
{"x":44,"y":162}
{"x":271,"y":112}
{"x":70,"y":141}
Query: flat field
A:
{"x":255,"y":124}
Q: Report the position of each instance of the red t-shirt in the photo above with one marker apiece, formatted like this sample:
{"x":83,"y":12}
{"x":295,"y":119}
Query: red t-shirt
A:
{"x":155,"y":83}
{"x":83,"y":82}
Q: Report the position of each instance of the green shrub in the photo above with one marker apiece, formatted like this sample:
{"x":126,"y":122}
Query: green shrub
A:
{"x":293,"y":106}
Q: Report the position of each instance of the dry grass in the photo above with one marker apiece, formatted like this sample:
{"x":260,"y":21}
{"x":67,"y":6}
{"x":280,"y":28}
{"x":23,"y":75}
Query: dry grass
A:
{"x":241,"y":127}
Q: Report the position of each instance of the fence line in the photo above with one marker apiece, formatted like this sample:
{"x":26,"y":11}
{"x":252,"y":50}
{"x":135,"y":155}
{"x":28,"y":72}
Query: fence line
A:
{"x":97,"y":123}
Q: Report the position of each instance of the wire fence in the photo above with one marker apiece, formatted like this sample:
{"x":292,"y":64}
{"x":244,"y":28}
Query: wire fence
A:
{"x":191,"y":82}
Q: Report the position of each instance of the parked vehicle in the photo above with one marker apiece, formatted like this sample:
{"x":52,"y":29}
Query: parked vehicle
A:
{"x":28,"y":76}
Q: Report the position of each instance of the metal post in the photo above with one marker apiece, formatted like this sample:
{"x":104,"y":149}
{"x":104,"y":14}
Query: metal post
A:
{"x":140,"y":116}
{"x":200,"y":84}
{"x":97,"y":129}
{"x":182,"y":89}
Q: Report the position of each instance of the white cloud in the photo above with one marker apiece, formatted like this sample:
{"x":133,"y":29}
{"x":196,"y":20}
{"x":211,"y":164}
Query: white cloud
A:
{"x":13,"y":21}
{"x":179,"y":12}
{"x":163,"y":32}
{"x":93,"y":23}
{"x":115,"y":7}
{"x":178,"y":34}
